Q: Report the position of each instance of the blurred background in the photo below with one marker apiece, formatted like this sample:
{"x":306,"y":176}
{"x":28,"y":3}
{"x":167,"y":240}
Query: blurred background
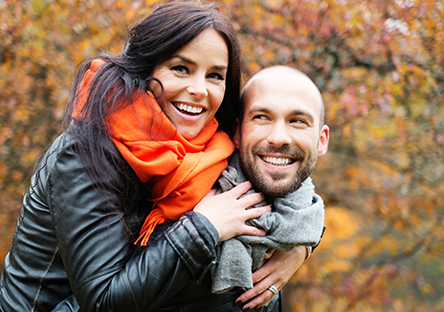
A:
{"x":380,"y":67}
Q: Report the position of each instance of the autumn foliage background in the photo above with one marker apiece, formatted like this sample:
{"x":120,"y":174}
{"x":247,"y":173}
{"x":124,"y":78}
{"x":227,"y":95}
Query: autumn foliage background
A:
{"x":380,"y":67}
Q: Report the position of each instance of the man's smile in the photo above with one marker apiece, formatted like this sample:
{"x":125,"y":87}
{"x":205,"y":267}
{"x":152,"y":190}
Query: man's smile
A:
{"x":277,"y":161}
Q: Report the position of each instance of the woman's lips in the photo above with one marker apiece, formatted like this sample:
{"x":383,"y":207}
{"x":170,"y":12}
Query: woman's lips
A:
{"x":188,"y":109}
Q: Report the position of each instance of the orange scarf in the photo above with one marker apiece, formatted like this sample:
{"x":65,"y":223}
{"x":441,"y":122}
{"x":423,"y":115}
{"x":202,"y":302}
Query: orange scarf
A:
{"x":179,"y":172}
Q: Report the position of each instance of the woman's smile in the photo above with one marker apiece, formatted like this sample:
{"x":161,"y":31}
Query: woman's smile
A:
{"x":188,"y":108}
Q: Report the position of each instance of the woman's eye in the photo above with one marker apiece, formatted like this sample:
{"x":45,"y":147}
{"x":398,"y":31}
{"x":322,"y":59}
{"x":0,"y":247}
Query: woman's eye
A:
{"x":216,"y":76}
{"x":180,"y":69}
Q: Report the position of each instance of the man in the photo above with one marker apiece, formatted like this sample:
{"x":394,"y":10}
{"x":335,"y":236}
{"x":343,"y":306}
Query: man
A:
{"x":281,"y":134}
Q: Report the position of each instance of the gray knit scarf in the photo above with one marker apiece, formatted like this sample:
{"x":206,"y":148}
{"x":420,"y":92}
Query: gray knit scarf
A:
{"x":296,"y":219}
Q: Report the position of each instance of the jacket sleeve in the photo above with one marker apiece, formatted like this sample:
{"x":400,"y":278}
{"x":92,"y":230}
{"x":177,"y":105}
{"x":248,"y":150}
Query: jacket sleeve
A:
{"x":104,"y":271}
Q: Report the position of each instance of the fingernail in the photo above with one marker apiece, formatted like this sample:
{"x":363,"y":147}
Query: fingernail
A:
{"x":238,"y":302}
{"x":246,"y":309}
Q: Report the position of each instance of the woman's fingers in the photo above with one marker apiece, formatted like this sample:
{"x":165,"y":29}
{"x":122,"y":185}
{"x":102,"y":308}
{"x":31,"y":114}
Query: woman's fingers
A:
{"x":249,"y":199}
{"x":229,"y":211}
{"x":269,"y":253}
{"x":276,"y":271}
{"x":261,"y":296}
{"x":240,"y":189}
{"x":256,"y":212}
{"x":253,"y":231}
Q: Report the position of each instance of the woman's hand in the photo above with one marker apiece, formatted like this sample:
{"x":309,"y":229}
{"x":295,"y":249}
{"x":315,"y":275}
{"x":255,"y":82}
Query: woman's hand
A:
{"x":277,"y":271}
{"x":228,"y":213}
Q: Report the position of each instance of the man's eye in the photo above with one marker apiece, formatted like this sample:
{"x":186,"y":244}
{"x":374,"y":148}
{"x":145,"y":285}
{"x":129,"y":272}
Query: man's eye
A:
{"x":299,"y":121}
{"x":216,"y":76}
{"x":180,"y":69}
{"x":260,"y":117}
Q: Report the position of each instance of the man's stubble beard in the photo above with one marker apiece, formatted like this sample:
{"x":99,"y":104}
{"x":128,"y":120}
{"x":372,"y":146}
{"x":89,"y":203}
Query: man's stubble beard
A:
{"x":248,"y":164}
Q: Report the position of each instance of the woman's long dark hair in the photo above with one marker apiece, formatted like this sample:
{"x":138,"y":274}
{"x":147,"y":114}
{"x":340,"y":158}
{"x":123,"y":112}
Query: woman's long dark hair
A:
{"x":154,"y":40}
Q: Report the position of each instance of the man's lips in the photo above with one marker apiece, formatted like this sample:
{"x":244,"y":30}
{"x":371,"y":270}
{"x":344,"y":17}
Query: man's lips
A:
{"x":188,"y":109}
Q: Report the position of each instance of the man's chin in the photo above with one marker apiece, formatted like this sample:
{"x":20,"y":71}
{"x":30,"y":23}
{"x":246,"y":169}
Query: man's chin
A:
{"x":279,"y":188}
{"x":274,"y":192}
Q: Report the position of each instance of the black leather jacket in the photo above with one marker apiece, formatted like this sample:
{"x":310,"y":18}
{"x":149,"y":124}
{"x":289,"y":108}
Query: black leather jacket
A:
{"x":70,"y":247}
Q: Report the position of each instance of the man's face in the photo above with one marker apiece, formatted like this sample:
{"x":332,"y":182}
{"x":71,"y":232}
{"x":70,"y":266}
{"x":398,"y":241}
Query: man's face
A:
{"x":280,"y":137}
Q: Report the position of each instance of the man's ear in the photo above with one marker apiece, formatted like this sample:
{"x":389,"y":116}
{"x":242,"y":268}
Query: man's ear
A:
{"x":323,"y":140}
{"x":236,"y":137}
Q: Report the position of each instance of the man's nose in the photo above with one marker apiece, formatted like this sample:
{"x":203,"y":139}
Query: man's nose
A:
{"x":197,"y":87}
{"x":279,"y":134}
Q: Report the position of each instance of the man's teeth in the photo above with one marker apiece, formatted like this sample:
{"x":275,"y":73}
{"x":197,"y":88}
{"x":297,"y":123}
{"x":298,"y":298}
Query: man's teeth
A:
{"x":277,"y":161}
{"x":188,"y":108}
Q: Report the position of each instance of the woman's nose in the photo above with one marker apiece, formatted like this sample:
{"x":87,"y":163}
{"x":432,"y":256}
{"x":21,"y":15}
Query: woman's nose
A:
{"x":197,"y":88}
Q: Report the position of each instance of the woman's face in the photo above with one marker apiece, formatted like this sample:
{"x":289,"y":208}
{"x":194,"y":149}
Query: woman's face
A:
{"x":193,"y":82}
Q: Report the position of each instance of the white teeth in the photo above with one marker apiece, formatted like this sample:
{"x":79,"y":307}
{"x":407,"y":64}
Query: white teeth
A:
{"x":277,"y":161}
{"x":188,"y":108}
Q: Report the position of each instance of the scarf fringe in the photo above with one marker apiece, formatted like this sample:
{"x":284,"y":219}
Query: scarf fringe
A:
{"x":154,"y":219}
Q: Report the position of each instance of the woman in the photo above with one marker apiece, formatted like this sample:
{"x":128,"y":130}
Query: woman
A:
{"x":89,"y":198}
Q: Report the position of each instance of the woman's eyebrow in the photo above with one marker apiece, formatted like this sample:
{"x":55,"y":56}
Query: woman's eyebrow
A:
{"x":191,"y":62}
{"x":184,"y":59}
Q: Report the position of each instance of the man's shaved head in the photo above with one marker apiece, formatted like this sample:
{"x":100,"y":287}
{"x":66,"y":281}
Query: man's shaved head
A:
{"x":267,"y":75}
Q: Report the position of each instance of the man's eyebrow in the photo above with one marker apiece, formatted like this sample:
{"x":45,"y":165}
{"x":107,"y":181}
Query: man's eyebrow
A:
{"x":295,"y":112}
{"x":259,"y":109}
{"x":189,"y":61}
{"x":306,"y":113}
